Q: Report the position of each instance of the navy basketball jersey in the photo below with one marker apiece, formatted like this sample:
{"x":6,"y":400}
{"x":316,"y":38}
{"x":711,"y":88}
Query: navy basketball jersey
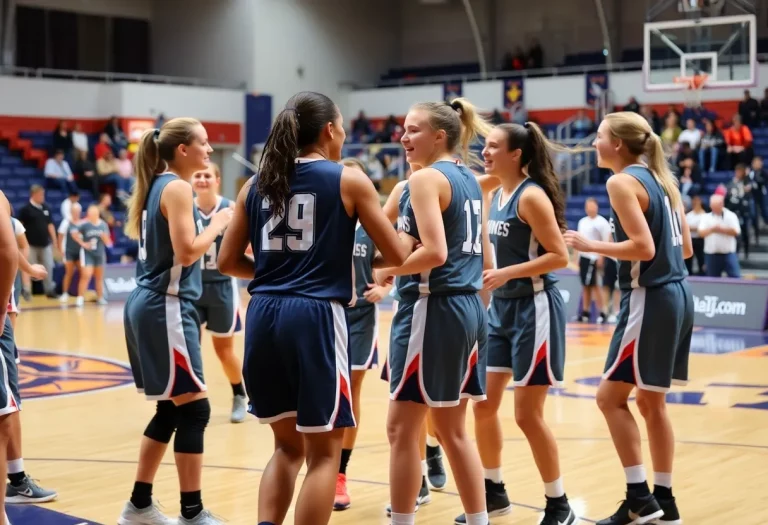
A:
{"x":514,"y":243}
{"x":668,"y":264}
{"x":362,"y":255}
{"x":92,"y":235}
{"x":307,"y":251}
{"x":462,"y":271}
{"x":156,"y":268}
{"x":209,"y":262}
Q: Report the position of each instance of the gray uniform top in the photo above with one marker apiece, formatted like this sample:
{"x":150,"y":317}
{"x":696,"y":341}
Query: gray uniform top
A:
{"x":209,"y":262}
{"x":668,"y":264}
{"x":71,"y":247}
{"x":362,"y":255}
{"x":92,"y":234}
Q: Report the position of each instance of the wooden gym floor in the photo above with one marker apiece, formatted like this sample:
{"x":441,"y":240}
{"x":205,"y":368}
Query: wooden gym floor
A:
{"x":82,"y":420}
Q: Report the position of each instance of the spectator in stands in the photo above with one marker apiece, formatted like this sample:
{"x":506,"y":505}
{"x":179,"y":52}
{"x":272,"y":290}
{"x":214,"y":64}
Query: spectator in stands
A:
{"x":691,"y":134}
{"x":108,"y":169}
{"x":711,"y":143}
{"x":85,"y":173}
{"x":37,"y":218}
{"x":670,"y":134}
{"x":764,"y":107}
{"x":672,"y":110}
{"x":115,"y":133}
{"x":738,"y":139}
{"x":738,"y":200}
{"x":689,"y":174}
{"x":632,"y":105}
{"x":749,"y":110}
{"x":693,"y":218}
{"x":719,"y":228}
{"x":361,"y":128}
{"x":80,"y":140}
{"x":66,"y":204}
{"x":62,"y":138}
{"x":535,"y":55}
{"x":102,"y":147}
{"x":497,"y":118}
{"x":58,"y":174}
{"x":507,"y":63}
{"x":759,"y":179}
{"x":518,"y":59}
{"x":652,"y":117}
{"x":582,"y":125}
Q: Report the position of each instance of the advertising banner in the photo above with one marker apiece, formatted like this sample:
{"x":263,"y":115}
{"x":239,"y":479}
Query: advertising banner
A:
{"x":119,"y":281}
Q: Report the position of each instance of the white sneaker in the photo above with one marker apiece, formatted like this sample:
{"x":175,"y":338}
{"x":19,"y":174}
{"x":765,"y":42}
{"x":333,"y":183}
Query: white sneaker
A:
{"x":80,"y":301}
{"x":204,"y":518}
{"x":64,"y":298}
{"x":611,"y":319}
{"x":149,"y":516}
{"x":102,"y":302}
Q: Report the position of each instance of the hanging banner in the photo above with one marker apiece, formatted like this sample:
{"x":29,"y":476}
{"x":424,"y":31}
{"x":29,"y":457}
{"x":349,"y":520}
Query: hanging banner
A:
{"x":452,"y":90}
{"x":513,"y":92}
{"x":597,"y":84}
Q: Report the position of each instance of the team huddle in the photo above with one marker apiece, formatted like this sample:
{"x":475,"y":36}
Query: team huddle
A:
{"x":469,"y":260}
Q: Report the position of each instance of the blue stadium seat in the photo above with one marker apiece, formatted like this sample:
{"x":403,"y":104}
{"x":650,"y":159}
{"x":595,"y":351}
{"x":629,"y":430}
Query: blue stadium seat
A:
{"x":5,"y":172}
{"x":25,"y":171}
{"x":9,"y":160}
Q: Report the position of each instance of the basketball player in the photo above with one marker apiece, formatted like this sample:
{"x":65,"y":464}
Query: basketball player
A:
{"x":93,"y":237}
{"x":437,"y":347}
{"x":650,"y":347}
{"x":70,"y":248}
{"x":219,"y":306}
{"x":593,"y":226}
{"x":299,"y":214}
{"x":23,"y":245}
{"x":9,"y":391}
{"x":526,"y":340}
{"x":161,"y":324}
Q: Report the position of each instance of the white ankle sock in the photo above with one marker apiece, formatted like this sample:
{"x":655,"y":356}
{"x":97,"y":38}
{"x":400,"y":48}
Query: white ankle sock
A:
{"x":432,"y":441}
{"x":635,"y":474}
{"x":424,"y":467}
{"x":494,"y":474}
{"x":403,"y":519}
{"x":662,"y":479}
{"x":15,"y":466}
{"x":481,"y":518}
{"x":555,"y":489}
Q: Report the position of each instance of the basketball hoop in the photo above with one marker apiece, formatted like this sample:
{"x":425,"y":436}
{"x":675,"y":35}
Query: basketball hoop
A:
{"x":693,"y":86}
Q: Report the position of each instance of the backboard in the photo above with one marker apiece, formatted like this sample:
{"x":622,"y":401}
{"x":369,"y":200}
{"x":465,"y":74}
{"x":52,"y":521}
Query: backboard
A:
{"x":724,"y":48}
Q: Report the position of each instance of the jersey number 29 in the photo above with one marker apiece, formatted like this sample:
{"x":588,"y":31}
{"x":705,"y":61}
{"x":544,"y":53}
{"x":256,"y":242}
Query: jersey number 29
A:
{"x":301,"y":219}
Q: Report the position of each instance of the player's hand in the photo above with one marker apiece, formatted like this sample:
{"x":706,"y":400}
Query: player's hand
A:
{"x":493,"y":279}
{"x":38,"y":272}
{"x":354,"y":298}
{"x":576,"y":241}
{"x":222,"y":219}
{"x":383,"y":277}
{"x":374,"y":293}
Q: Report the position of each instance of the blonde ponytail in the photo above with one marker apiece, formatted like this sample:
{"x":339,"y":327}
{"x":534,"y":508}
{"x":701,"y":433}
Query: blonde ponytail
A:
{"x":659,"y":166}
{"x":472,"y":127}
{"x":146,"y":165}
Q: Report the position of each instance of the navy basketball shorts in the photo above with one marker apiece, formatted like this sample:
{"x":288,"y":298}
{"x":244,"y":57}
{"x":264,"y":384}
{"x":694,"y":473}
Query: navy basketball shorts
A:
{"x":437,"y":350}
{"x":588,"y":271}
{"x":652,"y":341}
{"x":297,"y":362}
{"x":526,"y":338}
{"x":610,"y":273}
{"x":162,"y":333}
{"x":363,"y":337}
{"x":10,"y":401}
{"x":73,"y":256}
{"x":92,"y":258}
{"x":219,"y":308}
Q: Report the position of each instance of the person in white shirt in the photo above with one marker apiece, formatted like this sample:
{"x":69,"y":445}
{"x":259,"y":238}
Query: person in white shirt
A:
{"x":58,"y":174}
{"x":595,"y":228}
{"x":80,"y":139}
{"x":66,"y":204}
{"x":691,"y":134}
{"x":719,"y":228}
{"x":694,"y":218}
{"x":70,"y":249}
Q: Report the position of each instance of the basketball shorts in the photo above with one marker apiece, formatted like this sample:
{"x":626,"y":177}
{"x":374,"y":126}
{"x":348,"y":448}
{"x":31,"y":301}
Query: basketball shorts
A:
{"x":610,"y":273}
{"x":588,"y":271}
{"x":10,"y":401}
{"x":162,"y":333}
{"x":526,"y":337}
{"x":437,"y":350}
{"x":652,"y":341}
{"x":92,"y":258}
{"x":363,"y":337}
{"x":219,"y":308}
{"x":73,"y":255}
{"x":297,"y":362}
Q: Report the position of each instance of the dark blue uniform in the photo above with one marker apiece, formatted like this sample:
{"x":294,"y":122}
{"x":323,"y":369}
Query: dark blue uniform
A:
{"x":9,"y":375}
{"x":439,"y":333}
{"x":96,"y":253}
{"x":162,"y":329}
{"x":526,"y":334}
{"x":296,"y":341}
{"x":219,"y":305}
{"x":651,"y":344}
{"x":363,"y":316}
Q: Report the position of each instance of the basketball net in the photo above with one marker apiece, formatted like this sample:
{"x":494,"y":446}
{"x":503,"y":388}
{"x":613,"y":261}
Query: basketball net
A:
{"x":693,"y":86}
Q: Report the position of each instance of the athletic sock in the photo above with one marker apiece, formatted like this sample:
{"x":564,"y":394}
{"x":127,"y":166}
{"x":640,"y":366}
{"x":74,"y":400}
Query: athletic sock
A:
{"x":662,"y":485}
{"x":345,"y":454}
{"x":494,"y":474}
{"x":16,"y":474}
{"x":403,"y":519}
{"x":238,"y":389}
{"x":191,"y":504}
{"x":142,"y":495}
{"x":424,"y":468}
{"x":480,"y":518}
{"x":637,"y":480}
{"x":555,"y":489}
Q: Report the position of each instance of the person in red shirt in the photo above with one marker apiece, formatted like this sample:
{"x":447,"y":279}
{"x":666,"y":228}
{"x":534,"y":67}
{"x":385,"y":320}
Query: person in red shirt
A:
{"x":103,"y":146}
{"x":739,"y":140}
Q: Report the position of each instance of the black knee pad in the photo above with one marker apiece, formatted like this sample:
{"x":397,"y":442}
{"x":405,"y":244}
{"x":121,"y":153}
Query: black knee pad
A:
{"x":193,"y":418}
{"x":163,"y":423}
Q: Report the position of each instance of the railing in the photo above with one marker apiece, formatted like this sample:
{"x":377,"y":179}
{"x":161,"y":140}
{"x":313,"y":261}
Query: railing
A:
{"x":577,"y":176}
{"x":101,"y":76}
{"x":563,"y":130}
{"x":540,"y":72}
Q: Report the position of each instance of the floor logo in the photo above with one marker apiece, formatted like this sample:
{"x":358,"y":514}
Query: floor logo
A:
{"x":48,"y":374}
